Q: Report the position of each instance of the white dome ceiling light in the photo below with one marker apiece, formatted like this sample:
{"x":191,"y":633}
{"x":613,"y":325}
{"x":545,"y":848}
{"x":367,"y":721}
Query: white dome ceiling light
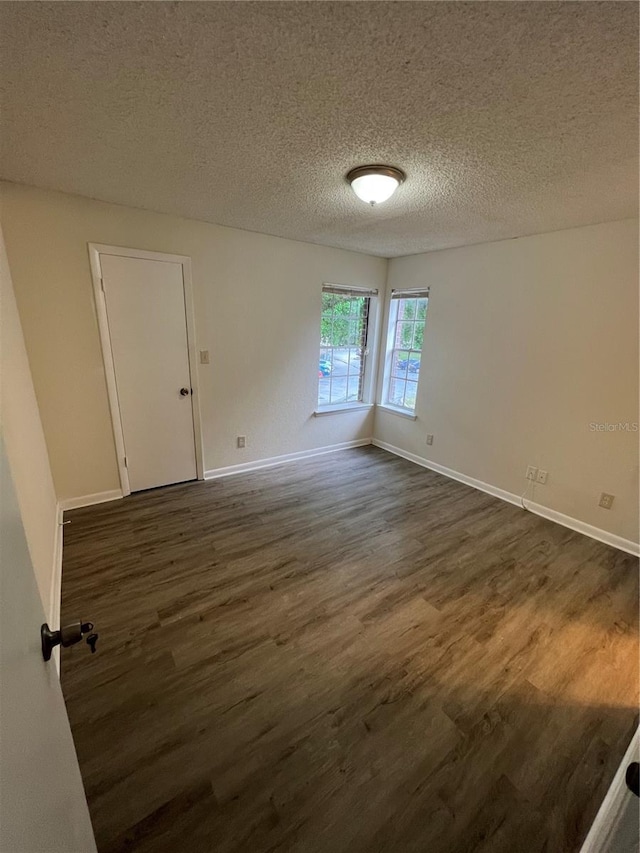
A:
{"x":375,"y":184}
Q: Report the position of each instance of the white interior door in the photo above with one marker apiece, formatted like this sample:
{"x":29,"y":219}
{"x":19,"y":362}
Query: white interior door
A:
{"x":145,"y":305}
{"x":42,"y":804}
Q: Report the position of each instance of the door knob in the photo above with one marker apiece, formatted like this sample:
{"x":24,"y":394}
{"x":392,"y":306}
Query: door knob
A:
{"x":184,"y":392}
{"x":67,"y":636}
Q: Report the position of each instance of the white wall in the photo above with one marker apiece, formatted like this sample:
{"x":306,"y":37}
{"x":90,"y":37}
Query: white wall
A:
{"x":257,"y":302}
{"x":528,"y":341}
{"x":26,"y":448}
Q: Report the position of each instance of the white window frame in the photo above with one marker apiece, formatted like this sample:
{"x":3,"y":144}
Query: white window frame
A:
{"x":369,"y":355}
{"x":394,"y":300}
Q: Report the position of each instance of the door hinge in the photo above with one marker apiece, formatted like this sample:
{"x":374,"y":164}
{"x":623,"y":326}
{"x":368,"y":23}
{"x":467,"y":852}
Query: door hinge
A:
{"x":101,"y":284}
{"x":126,"y":462}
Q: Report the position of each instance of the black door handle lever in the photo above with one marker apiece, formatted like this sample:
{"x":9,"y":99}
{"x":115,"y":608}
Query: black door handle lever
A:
{"x":67,"y":636}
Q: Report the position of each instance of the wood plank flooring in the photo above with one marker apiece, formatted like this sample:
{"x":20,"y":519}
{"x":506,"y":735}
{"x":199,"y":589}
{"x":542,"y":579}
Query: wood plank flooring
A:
{"x":349,"y":653}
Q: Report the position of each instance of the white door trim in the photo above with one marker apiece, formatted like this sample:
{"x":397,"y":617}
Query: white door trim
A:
{"x":618,"y":804}
{"x":95,"y":250}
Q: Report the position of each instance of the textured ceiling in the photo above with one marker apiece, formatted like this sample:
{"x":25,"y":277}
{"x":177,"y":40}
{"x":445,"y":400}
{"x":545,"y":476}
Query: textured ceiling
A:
{"x":508,"y":118}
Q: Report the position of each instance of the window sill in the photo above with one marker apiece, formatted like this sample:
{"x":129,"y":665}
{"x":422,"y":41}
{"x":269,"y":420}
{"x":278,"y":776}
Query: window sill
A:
{"x":344,"y":407}
{"x":403,"y":413}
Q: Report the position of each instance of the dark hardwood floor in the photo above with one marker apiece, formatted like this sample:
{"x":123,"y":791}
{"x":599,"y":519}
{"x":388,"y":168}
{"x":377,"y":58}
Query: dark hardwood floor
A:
{"x":349,"y":653}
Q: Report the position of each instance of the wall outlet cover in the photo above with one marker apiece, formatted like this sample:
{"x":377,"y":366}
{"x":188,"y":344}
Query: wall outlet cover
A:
{"x":606,"y":500}
{"x":541,"y":476}
{"x":532,"y":472}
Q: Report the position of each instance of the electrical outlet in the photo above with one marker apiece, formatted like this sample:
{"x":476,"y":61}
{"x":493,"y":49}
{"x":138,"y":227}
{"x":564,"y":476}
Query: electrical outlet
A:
{"x":429,"y":439}
{"x":241,"y":441}
{"x":606,"y":501}
{"x":541,"y":476}
{"x":532,"y":472}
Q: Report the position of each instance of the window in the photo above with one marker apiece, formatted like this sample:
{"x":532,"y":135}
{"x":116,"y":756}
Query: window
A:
{"x":407,"y":316}
{"x":344,"y":330}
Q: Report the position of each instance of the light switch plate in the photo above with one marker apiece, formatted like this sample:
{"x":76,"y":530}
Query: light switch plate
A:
{"x":204,"y":356}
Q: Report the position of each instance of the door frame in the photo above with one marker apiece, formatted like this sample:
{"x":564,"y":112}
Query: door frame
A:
{"x":95,"y":250}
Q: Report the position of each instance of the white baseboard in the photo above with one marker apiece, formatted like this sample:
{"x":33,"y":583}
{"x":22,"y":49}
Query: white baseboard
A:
{"x":543,"y":511}
{"x":449,"y":472}
{"x":90,"y":500}
{"x":587,"y":529}
{"x":539,"y":509}
{"x":601,"y":837}
{"x":269,"y":462}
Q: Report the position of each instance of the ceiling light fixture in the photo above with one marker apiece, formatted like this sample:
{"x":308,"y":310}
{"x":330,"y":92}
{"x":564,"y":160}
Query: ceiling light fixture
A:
{"x":375,"y":184}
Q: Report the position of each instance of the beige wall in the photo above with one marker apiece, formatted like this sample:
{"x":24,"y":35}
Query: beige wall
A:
{"x":528,"y":342}
{"x":257,"y":303}
{"x":25,"y":443}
